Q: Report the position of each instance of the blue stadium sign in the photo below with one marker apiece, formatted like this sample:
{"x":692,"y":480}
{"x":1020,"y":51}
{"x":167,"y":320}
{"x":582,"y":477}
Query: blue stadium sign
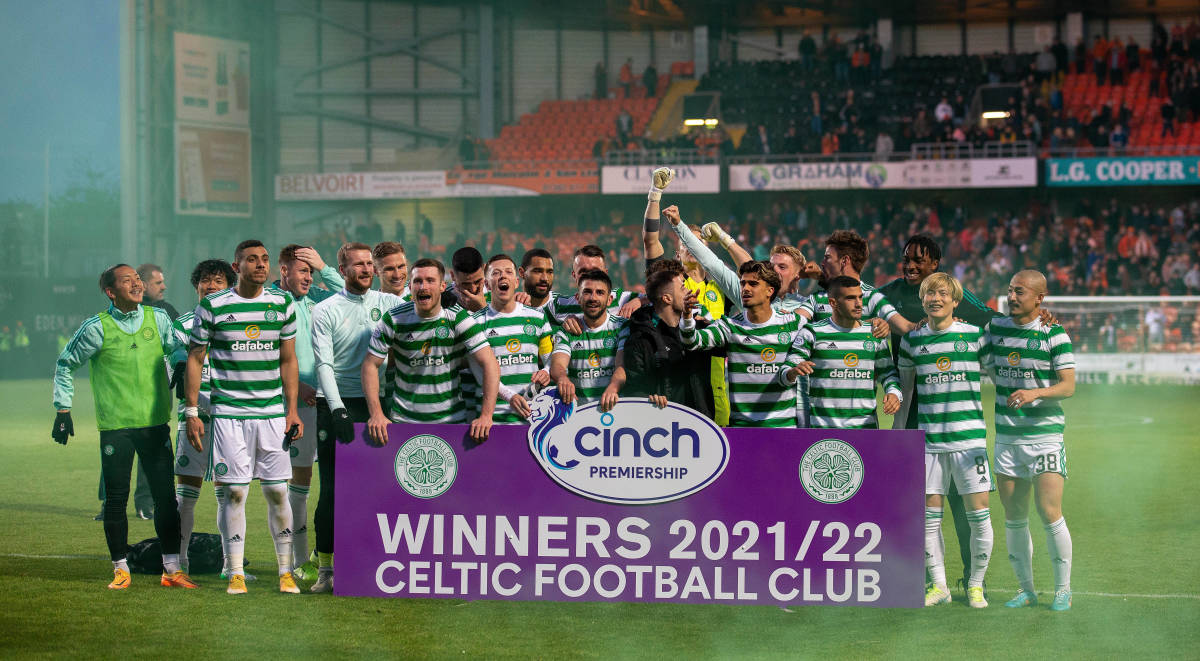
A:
{"x":1144,"y":171}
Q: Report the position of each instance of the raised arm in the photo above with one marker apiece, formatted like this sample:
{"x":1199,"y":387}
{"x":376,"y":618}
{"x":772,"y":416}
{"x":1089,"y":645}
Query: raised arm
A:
{"x":727,"y":280}
{"x":650,"y":226}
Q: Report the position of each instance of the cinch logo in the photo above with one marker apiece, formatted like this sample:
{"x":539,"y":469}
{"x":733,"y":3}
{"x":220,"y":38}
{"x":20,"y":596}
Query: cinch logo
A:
{"x":850,"y":359}
{"x":513,"y":345}
{"x":768,"y":355}
{"x":253,"y":346}
{"x":943,"y":363}
{"x":1014,"y":359}
{"x":252,"y":332}
{"x":634,"y":454}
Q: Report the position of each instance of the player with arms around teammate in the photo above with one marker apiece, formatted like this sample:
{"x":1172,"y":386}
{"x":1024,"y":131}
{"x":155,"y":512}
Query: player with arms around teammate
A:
{"x":249,"y":334}
{"x":945,"y":359}
{"x":341,"y":330}
{"x":430,"y":343}
{"x":590,"y":365}
{"x":1033,"y":364}
{"x":757,"y":341}
{"x":520,"y":338}
{"x":844,"y":361}
{"x":125,"y":346}
{"x":566,"y":310}
{"x":191,"y":465}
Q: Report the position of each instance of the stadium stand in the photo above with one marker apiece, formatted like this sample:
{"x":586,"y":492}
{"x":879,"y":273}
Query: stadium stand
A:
{"x":570,"y":130}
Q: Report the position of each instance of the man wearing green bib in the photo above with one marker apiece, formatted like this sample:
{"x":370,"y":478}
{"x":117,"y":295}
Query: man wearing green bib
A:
{"x":125,"y":346}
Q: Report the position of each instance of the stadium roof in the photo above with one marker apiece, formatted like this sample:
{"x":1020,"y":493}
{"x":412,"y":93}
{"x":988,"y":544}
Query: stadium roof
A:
{"x":789,"y":13}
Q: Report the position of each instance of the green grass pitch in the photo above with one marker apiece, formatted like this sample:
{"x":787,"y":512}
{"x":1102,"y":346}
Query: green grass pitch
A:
{"x":1132,"y":454}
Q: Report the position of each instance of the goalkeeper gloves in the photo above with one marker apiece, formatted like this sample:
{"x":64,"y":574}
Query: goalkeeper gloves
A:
{"x":343,"y":426}
{"x":713,"y":232}
{"x":177,"y":379}
{"x":63,"y":427}
{"x":661,"y":179}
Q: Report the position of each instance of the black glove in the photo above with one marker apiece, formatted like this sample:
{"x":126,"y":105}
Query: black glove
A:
{"x":178,"y":374}
{"x":343,"y":426}
{"x":63,"y":427}
{"x":292,"y":434}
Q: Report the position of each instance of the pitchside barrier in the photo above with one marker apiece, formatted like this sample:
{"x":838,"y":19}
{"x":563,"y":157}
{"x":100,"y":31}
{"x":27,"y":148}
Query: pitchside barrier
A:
{"x":635,"y":505}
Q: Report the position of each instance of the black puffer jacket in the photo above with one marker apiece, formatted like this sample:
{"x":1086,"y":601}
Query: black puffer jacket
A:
{"x":656,"y":363}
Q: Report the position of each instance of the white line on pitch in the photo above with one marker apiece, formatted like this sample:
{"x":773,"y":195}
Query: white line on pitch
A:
{"x":52,"y":557}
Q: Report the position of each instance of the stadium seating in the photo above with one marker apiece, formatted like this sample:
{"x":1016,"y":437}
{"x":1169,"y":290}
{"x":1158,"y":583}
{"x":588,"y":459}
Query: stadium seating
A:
{"x":568,"y":130}
{"x":778,"y":93}
{"x":1081,"y":95}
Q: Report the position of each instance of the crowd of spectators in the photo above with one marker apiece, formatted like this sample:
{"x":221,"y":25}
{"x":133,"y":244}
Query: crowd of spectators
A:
{"x":1094,"y":249}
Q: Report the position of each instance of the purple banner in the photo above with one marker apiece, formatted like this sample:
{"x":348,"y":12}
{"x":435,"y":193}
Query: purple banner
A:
{"x":551,"y":511}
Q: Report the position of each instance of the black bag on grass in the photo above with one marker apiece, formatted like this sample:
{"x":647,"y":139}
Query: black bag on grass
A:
{"x":204,"y":555}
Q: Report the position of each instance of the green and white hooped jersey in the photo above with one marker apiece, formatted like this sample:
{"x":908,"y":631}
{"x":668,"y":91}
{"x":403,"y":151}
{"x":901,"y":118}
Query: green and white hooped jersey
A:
{"x":849,"y":362}
{"x":756,"y":353}
{"x":428,"y":354}
{"x":518,"y":339}
{"x":558,"y":308}
{"x":593,"y":355}
{"x":243,"y":336}
{"x":875,"y":304}
{"x":183,"y":328}
{"x":1022,"y":358}
{"x":948,"y":366}
{"x":549,"y":302}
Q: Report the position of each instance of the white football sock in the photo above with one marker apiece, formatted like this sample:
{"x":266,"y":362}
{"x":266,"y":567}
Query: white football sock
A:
{"x":298,"y":499}
{"x":279,"y":517}
{"x":1020,"y":551}
{"x":935,"y":548}
{"x":1058,"y":542}
{"x":234,"y":514}
{"x":187,"y":496}
{"x":981,"y":545}
{"x":219,"y":492}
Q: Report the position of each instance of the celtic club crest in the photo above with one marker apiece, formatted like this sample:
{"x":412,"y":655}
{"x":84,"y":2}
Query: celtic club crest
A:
{"x":831,"y":471}
{"x":426,"y":466}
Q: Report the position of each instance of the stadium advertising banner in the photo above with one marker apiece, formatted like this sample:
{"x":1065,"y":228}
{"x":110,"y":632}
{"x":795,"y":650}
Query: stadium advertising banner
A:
{"x":635,"y":505}
{"x":1141,"y":368}
{"x":531,"y":181}
{"x":213,"y":175}
{"x":361,"y":186}
{"x":621,"y":179}
{"x":212,"y":80}
{"x":433,"y":184}
{"x":1145,"y":171}
{"x":919,"y":174}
